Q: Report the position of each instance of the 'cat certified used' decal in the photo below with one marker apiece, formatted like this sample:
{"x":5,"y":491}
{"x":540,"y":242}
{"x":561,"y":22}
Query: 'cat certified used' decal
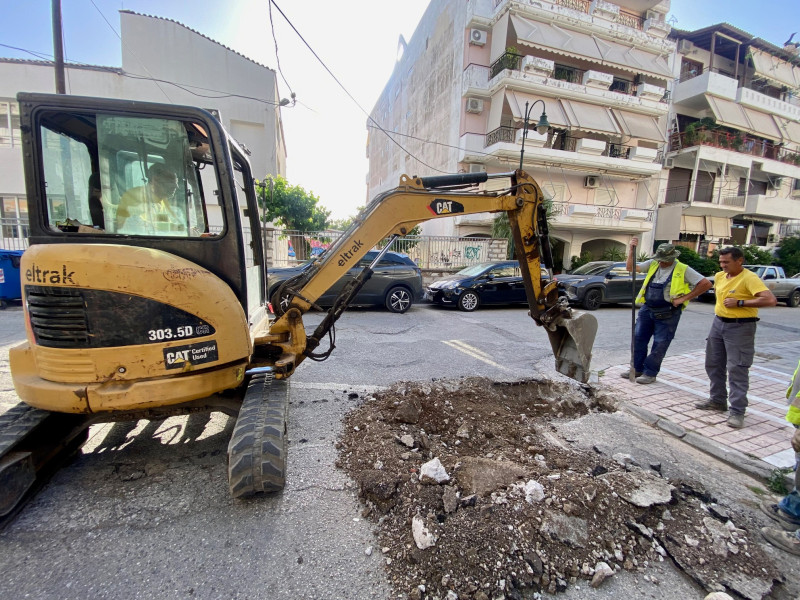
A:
{"x":446,"y":207}
{"x":195,"y":354}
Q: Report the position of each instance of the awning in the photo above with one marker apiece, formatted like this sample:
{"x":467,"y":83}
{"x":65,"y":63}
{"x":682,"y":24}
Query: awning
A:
{"x":634,"y":59}
{"x":590,"y":117}
{"x":789,"y":130}
{"x":772,"y":67}
{"x":639,"y":126}
{"x":555,"y":113}
{"x":555,"y":39}
{"x":692,"y":224}
{"x":718,"y":227}
{"x":762,"y":124}
{"x":728,"y":113}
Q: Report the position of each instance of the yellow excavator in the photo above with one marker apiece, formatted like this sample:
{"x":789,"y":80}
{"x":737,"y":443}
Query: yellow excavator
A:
{"x":135,"y":307}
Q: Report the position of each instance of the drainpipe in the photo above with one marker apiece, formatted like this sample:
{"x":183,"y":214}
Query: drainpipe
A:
{"x":693,"y":183}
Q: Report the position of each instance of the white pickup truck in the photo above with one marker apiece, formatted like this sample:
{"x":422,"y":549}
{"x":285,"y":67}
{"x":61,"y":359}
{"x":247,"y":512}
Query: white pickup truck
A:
{"x":786,"y":289}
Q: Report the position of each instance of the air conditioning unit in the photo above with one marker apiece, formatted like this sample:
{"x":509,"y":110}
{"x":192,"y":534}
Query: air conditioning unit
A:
{"x":477,"y":168}
{"x":669,"y":162}
{"x":773,"y":238}
{"x":654,"y":15}
{"x":685,"y":46}
{"x":474,"y":105}
{"x":774,"y":183}
{"x":477,"y":37}
{"x":591,"y":181}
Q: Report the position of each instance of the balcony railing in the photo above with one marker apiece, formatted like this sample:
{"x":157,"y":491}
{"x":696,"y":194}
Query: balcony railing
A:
{"x":579,"y":5}
{"x":556,"y":209}
{"x":630,"y":19}
{"x":735,"y":201}
{"x":617,"y":151}
{"x":731,"y":141}
{"x":501,"y":134}
{"x":566,"y":73}
{"x":507,"y":60}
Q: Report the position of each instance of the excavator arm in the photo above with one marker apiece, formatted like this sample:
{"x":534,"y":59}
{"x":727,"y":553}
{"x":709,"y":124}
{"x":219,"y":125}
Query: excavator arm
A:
{"x":395,"y":213}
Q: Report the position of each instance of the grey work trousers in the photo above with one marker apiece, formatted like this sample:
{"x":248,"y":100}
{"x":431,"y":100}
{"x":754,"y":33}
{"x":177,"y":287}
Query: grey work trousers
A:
{"x":729,"y":354}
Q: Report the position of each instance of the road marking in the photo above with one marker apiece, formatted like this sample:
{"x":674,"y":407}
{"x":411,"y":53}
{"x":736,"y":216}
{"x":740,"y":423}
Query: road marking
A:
{"x":474,"y":353}
{"x":339,"y":387}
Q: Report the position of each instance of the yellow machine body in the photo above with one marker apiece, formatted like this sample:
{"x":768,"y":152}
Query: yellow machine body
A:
{"x":203,"y":349}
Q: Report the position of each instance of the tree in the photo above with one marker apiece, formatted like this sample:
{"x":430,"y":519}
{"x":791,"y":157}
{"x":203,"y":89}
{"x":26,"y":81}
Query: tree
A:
{"x":291,"y":206}
{"x":703,"y":265}
{"x":789,"y":255}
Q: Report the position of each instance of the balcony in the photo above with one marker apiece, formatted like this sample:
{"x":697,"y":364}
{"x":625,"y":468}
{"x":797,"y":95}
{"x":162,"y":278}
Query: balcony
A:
{"x":600,"y":217}
{"x":772,"y":206}
{"x":558,"y":79}
{"x":692,"y":86}
{"x":735,"y":142}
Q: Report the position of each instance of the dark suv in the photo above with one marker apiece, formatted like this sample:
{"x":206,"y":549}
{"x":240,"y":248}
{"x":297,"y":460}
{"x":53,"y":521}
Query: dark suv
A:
{"x":485,"y":283}
{"x":395,"y":284}
{"x":597,"y":283}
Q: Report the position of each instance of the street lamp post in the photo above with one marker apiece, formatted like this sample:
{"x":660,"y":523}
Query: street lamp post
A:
{"x":541,"y":127}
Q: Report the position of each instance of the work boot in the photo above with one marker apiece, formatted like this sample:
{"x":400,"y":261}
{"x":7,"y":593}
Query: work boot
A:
{"x":627,"y":374}
{"x":709,"y":404}
{"x":785,"y":540}
{"x":645,"y":379}
{"x":776,"y":513}
{"x":736,"y":420}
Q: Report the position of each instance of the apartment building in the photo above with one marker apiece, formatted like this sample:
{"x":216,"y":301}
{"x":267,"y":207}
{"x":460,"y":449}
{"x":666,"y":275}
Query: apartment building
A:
{"x":457,"y":99}
{"x":733,"y":159}
{"x":243,"y":94}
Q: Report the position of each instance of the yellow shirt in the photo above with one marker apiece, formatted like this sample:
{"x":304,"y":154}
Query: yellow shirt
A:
{"x":141,"y":212}
{"x":742,"y":287}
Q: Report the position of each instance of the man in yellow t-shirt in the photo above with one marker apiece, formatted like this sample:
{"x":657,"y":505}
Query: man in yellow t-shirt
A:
{"x":147,"y":209}
{"x":731,"y":342}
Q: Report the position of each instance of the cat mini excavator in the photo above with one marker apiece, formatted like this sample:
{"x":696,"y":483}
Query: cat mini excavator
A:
{"x":135,"y":308}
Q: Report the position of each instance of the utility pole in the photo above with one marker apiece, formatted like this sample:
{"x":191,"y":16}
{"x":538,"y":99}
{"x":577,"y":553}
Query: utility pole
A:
{"x":58,"y":48}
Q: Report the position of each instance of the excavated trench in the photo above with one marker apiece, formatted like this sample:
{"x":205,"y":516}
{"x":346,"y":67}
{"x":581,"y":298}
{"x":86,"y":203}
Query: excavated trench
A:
{"x":475,"y":496}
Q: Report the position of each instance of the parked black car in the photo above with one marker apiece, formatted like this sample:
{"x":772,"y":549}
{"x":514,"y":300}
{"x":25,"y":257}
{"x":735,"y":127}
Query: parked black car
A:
{"x":486,"y":283}
{"x":597,"y":283}
{"x":395,"y":284}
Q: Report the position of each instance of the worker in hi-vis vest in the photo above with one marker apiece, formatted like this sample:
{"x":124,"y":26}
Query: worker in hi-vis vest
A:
{"x":666,"y":291}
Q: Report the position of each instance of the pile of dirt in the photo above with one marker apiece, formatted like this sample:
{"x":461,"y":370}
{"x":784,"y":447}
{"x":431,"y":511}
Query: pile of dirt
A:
{"x":475,"y":496}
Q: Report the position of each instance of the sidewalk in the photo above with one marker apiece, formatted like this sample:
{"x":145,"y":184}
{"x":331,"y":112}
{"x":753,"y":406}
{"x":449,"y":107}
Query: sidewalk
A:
{"x":762,"y":445}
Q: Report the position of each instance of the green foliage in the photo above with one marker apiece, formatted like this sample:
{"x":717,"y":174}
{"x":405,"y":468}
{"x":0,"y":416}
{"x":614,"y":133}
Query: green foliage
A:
{"x":789,"y":255}
{"x":291,"y":206}
{"x":753,"y":255}
{"x":579,"y":261}
{"x":777,"y":481}
{"x":643,"y":256}
{"x":703,"y":265}
{"x":615,"y":253}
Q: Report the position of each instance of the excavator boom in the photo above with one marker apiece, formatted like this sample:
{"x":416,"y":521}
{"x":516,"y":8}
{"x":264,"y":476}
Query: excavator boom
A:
{"x":393,"y":214}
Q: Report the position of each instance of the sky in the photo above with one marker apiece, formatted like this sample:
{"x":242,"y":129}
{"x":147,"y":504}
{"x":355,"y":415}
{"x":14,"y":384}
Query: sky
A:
{"x":356,"y":39}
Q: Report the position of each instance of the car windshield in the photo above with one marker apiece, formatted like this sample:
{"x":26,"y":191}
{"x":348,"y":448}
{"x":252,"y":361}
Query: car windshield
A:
{"x":474,"y":270}
{"x":757,"y":270}
{"x":591,"y":268}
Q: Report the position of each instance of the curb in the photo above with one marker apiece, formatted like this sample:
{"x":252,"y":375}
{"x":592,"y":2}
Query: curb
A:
{"x":734,"y":458}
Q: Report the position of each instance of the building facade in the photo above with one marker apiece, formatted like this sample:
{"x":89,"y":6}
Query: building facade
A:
{"x":733,"y":159}
{"x":600,"y":70}
{"x":170,"y":64}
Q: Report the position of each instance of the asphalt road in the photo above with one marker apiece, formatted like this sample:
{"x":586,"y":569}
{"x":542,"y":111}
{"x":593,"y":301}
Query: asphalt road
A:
{"x":144,"y":511}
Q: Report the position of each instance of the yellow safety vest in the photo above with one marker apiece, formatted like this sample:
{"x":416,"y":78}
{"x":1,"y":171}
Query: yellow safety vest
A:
{"x":677,"y":287}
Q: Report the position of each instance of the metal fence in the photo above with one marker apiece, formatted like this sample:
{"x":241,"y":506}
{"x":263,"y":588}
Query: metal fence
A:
{"x":286,"y":248}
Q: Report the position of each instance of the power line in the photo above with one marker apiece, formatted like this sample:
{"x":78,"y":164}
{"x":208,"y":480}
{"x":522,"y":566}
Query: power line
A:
{"x":349,"y":95}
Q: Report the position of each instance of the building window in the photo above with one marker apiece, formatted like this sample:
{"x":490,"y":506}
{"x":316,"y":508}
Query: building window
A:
{"x":10,"y":134}
{"x":13,"y":217}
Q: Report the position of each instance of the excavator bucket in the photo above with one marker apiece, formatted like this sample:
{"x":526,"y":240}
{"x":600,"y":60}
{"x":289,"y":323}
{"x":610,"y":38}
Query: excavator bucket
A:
{"x":572,"y":339}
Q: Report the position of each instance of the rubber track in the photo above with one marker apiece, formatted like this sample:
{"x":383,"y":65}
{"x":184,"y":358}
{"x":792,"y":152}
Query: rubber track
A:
{"x":17,"y":422}
{"x":258,"y":447}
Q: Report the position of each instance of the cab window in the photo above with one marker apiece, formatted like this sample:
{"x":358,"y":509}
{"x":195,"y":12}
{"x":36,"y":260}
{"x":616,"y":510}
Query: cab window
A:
{"x":118,"y":175}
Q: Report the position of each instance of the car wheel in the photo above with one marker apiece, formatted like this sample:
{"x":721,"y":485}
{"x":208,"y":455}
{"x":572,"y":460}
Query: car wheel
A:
{"x":398,"y":300}
{"x":468,"y":301}
{"x":794,"y":299}
{"x":592,"y":299}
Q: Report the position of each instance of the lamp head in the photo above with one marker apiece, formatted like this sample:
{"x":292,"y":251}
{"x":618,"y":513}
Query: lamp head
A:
{"x":543,"y":125}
